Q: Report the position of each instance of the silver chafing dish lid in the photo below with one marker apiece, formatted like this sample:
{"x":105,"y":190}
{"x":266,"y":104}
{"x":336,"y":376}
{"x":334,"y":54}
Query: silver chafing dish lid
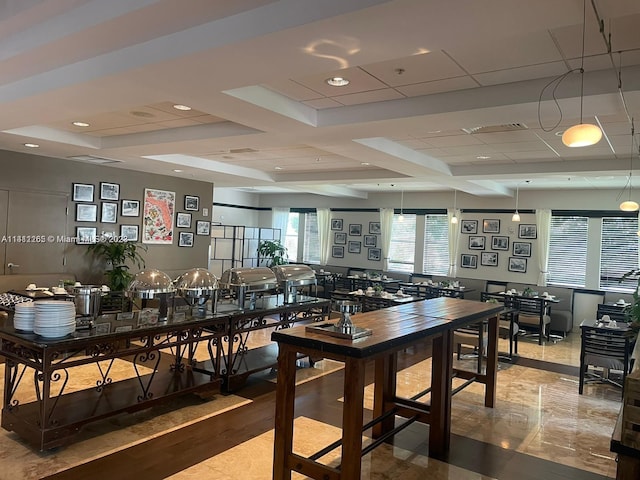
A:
{"x":252,"y":279}
{"x":294,"y":274}
{"x":196,"y":282}
{"x":149,"y":283}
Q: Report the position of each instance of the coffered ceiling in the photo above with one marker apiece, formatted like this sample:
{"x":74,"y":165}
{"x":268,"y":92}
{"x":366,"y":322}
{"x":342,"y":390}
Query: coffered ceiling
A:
{"x":443,"y":94}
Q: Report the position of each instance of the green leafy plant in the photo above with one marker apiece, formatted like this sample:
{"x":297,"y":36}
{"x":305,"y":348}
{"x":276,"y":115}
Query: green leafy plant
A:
{"x":115,"y":255}
{"x":633,"y":310}
{"x":273,"y":251}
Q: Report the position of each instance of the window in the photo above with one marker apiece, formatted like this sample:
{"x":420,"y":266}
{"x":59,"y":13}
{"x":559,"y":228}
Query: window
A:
{"x":618,"y":253}
{"x":403,"y":244}
{"x":311,"y":252}
{"x":291,"y":236}
{"x":568,"y":251}
{"x":436,"y":245}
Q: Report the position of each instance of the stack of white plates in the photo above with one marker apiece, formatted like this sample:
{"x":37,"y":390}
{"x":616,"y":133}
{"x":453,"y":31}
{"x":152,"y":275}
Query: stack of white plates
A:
{"x":54,"y":318}
{"x":24,"y":317}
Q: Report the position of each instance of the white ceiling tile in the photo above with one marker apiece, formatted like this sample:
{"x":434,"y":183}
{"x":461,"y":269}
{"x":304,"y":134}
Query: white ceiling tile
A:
{"x":513,"y":136}
{"x":438,"y":86}
{"x":535,"y":155}
{"x":521,"y":73}
{"x":368,"y":97}
{"x":322,"y":103}
{"x":455,"y":141}
{"x":472,"y":150}
{"x":293,"y":90}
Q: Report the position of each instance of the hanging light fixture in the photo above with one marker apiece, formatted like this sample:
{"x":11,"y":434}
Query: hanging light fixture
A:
{"x":516,"y":214}
{"x":401,"y":217}
{"x":630,"y":205}
{"x":583,"y":134}
{"x":454,"y":219}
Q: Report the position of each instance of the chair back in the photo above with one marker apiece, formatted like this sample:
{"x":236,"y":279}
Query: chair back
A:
{"x":530,"y":306}
{"x":619,"y":314}
{"x":493,"y":286}
{"x":370,"y":302}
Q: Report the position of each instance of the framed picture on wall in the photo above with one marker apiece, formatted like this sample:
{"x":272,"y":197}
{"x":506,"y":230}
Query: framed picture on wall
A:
{"x":370,"y":240}
{"x":86,"y":235}
{"x":191,"y":203}
{"x":109,"y":212}
{"x":340,"y":238}
{"x":521,"y":249}
{"x":337,"y":252}
{"x":476,"y":242}
{"x":517,"y":264}
{"x":355,"y":229}
{"x":183,"y":220}
{"x":527,"y":231}
{"x":469,"y":261}
{"x":86,"y":212}
{"x":203,"y":227}
{"x":130,"y":208}
{"x":489,"y":259}
{"x":469,"y":226}
{"x":185,"y":239}
{"x":490,"y":225}
{"x":499,"y":243}
{"x":82,"y":192}
{"x":336,"y":224}
{"x":374,"y":254}
{"x":130,"y":232}
{"x":374,"y":228}
{"x":354,"y":247}
{"x":109,"y":191}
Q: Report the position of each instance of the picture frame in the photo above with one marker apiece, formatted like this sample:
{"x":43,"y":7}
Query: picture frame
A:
{"x":158,"y":217}
{"x":340,"y":238}
{"x":489,"y":259}
{"x":374,"y":254}
{"x":82,"y":192}
{"x":518,"y":264}
{"x":499,"y":243}
{"x":130,"y":232}
{"x":109,"y":212}
{"x":103,"y":328}
{"x":336,"y":224}
{"x":354,"y":247}
{"x":469,"y":226}
{"x":185,"y":239}
{"x":469,"y":261}
{"x":521,"y":249}
{"x":86,"y":235}
{"x":490,"y":225}
{"x":528,"y":231}
{"x":337,"y":251}
{"x":109,"y":191}
{"x":191,"y":203}
{"x":370,"y":240}
{"x":203,"y":227}
{"x":86,"y":212}
{"x":355,"y":229}
{"x":183,"y":220}
{"x":374,"y":228}
{"x":130,"y":208}
{"x":477,"y":242}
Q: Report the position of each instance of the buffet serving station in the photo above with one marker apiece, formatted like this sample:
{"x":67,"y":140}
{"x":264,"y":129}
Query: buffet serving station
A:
{"x":134,"y":360}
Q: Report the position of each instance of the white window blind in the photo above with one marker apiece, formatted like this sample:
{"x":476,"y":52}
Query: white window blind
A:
{"x":311,"y":251}
{"x":403,"y":244}
{"x":619,"y":253}
{"x":436,"y":245}
{"x":568,"y":251}
{"x":291,"y":236}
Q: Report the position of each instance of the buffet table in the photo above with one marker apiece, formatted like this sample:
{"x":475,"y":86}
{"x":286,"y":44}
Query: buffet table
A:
{"x":393,"y":329}
{"x":47,"y":399}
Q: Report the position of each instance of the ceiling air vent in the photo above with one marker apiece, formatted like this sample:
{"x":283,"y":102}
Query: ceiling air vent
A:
{"x":507,"y":127}
{"x":92,"y":159}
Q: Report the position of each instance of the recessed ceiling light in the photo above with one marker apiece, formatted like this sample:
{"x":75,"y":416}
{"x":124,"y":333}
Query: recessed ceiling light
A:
{"x":365,"y":164}
{"x":483,"y":157}
{"x":278,"y":168}
{"x":338,"y":81}
{"x":177,"y":170}
{"x":184,"y":108}
{"x":31,"y":145}
{"x":81,"y":124}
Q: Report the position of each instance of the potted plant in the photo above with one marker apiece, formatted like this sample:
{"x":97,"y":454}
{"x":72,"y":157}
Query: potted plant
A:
{"x":273,"y":251}
{"x":633,"y":310}
{"x":115,"y":255}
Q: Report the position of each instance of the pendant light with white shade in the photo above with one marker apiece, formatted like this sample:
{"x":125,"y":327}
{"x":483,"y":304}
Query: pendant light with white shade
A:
{"x":516,"y":214}
{"x":583,"y":134}
{"x":454,"y":219}
{"x":630,"y":205}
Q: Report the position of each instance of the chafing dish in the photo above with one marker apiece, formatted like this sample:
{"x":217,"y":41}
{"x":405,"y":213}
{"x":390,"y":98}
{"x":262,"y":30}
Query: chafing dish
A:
{"x":151,"y":283}
{"x":198,"y":286}
{"x":290,"y":277}
{"x":248,"y":281}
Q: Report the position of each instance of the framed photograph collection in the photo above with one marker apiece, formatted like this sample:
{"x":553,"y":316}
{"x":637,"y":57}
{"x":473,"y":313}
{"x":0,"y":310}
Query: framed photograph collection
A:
{"x":86,"y":212}
{"x":354,"y":247}
{"x":469,"y":261}
{"x":130,"y":208}
{"x":86,"y":235}
{"x":203,"y":227}
{"x":374,"y":228}
{"x":489,"y":259}
{"x":355,"y":229}
{"x":130,"y":232}
{"x":370,"y":240}
{"x":183,"y":220}
{"x":499,"y":243}
{"x":109,"y":191}
{"x":340,"y":238}
{"x":521,"y":249}
{"x":185,"y":239}
{"x":518,"y":264}
{"x":469,"y":226}
{"x":109,"y":212}
{"x":374,"y":254}
{"x":476,"y":242}
{"x":82,"y":192}
{"x":337,"y":251}
{"x":490,"y":225}
{"x":336,"y":224}
{"x":191,"y":203}
{"x":527,"y":231}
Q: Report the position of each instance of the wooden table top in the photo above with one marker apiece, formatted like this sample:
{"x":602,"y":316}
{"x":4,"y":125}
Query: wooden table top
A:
{"x":393,"y":327}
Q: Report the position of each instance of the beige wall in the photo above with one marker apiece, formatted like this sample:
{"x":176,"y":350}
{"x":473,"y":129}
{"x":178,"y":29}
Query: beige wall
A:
{"x":24,"y":172}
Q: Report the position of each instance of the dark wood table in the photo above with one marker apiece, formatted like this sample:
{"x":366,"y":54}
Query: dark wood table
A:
{"x":393,"y":329}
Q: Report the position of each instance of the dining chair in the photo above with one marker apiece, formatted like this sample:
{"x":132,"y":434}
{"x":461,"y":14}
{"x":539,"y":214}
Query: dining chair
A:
{"x":494,"y":286}
{"x":508,"y":320}
{"x":607,"y":349}
{"x":615,"y":312}
{"x":533,"y":312}
{"x":474,"y":336}
{"x":584,"y":304}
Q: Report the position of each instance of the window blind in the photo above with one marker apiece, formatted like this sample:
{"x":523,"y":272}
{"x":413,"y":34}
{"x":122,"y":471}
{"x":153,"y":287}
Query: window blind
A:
{"x":311,"y":248}
{"x":436,"y":245}
{"x":403,"y":244}
{"x":291,"y":236}
{"x":618,"y":253}
{"x":568,"y":251}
